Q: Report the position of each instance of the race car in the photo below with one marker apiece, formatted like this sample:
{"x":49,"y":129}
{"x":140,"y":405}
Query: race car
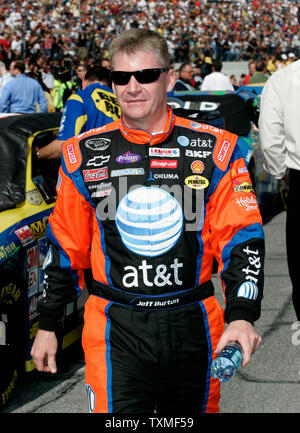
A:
{"x":237,"y":112}
{"x":27,"y":197}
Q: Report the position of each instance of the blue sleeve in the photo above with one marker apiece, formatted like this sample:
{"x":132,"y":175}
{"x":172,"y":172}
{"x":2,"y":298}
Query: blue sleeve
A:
{"x":42,"y":100}
{"x":5,"y":98}
{"x":73,"y":118}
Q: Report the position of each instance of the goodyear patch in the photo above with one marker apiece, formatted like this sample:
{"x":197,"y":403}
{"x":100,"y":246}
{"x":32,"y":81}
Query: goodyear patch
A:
{"x":243,"y":187}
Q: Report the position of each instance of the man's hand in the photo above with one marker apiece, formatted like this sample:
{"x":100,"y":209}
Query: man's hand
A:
{"x":51,"y":151}
{"x":44,"y":350}
{"x":243,"y":332}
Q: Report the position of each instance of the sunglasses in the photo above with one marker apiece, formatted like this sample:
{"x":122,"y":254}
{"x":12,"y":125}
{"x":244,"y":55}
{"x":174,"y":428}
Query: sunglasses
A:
{"x":144,"y":76}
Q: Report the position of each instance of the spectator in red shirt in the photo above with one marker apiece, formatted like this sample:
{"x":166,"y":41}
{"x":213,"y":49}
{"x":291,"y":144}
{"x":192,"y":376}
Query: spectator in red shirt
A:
{"x":252,"y":70}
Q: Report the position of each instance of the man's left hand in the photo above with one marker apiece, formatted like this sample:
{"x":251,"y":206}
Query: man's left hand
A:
{"x":243,"y":332}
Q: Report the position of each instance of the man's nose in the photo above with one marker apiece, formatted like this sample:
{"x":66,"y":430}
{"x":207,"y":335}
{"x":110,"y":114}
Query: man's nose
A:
{"x":133,"y":84}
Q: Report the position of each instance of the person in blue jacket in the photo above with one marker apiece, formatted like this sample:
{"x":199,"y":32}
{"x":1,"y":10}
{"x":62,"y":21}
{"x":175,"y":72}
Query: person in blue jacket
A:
{"x":94,"y":106}
{"x":23,"y":94}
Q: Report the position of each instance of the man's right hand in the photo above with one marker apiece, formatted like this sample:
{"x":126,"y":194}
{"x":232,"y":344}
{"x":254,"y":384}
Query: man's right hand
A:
{"x":44,"y":350}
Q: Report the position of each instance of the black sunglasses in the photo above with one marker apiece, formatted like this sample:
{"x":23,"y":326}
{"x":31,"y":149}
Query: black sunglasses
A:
{"x":144,"y":76}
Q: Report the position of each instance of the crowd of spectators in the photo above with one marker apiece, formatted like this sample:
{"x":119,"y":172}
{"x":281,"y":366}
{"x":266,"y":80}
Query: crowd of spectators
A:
{"x":57,"y":36}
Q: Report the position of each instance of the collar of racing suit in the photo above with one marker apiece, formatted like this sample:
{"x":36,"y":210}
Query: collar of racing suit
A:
{"x":141,"y":136}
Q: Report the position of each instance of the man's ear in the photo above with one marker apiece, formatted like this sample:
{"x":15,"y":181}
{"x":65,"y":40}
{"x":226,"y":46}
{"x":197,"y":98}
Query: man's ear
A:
{"x":171,"y":80}
{"x":83,"y":83}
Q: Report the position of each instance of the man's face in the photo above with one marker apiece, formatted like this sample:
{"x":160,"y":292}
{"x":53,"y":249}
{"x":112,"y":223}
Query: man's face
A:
{"x":105,"y":63}
{"x":187,"y":73}
{"x":81,"y":71}
{"x":12,"y":69}
{"x":143,"y":105}
{"x":252,"y":68}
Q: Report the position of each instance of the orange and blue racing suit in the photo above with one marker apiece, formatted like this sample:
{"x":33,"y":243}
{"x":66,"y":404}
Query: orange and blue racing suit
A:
{"x":148,"y":214}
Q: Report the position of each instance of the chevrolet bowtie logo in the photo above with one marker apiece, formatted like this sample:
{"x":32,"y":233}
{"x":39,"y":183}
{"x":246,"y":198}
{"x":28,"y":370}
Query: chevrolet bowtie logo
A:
{"x":98,"y":161}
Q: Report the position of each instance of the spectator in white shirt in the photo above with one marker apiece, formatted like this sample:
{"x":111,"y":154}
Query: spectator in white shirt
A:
{"x":216,"y":80}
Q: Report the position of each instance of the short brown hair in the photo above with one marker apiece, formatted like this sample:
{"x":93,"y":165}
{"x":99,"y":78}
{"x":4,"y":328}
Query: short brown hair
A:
{"x":19,"y":64}
{"x":137,"y":39}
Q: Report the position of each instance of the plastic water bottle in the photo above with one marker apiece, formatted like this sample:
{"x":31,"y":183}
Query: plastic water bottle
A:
{"x":227,"y":362}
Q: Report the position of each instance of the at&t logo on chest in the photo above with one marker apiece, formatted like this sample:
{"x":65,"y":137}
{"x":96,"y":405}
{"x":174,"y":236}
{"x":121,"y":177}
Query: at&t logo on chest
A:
{"x":149,"y":221}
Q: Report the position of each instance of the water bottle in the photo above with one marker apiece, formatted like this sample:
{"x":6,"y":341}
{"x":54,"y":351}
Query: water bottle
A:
{"x":227,"y":362}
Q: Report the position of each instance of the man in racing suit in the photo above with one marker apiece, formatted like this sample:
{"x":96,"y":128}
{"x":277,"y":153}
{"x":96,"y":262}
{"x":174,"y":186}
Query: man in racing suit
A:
{"x":95,"y":105}
{"x":147,"y":202}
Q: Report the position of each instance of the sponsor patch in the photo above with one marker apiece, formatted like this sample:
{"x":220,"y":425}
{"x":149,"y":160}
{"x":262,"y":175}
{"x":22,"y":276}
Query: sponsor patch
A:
{"x":139,"y":214}
{"x":169,"y":152}
{"x":97,"y":143}
{"x":163,"y":163}
{"x":197,"y":166}
{"x":249,"y":203}
{"x":198,"y":153}
{"x":202,"y":126}
{"x":254,"y":266}
{"x":101,"y":193}
{"x":25,"y":235}
{"x":223,"y":151}
{"x":206,"y":140}
{"x":59,"y":181}
{"x":71,"y":153}
{"x":248,"y":290}
{"x":128,"y":158}
{"x":127,"y":172}
{"x":243,"y":187}
{"x":94,"y":175}
{"x":98,"y":161}
{"x":183,"y":140}
{"x":196,"y":182}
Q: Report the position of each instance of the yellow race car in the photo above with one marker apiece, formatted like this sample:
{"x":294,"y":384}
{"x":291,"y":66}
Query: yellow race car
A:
{"x":27,"y":197}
